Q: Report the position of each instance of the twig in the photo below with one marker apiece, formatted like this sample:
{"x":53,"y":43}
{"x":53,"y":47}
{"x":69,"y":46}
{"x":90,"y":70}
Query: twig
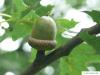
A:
{"x":6,"y":15}
{"x":65,"y":50}
{"x":40,"y":54}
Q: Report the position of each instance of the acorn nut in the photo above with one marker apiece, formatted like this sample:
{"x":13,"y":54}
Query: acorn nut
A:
{"x":43,"y":34}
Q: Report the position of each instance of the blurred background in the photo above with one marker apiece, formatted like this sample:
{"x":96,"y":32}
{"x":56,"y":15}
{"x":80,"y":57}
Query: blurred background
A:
{"x":10,"y":64}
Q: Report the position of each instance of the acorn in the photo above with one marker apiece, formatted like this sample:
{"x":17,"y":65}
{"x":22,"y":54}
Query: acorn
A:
{"x":43,"y":35}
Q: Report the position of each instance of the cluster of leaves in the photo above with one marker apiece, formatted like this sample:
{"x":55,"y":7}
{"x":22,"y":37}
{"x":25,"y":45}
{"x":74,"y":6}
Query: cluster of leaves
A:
{"x":75,"y":3}
{"x":23,"y":13}
{"x":84,"y":55}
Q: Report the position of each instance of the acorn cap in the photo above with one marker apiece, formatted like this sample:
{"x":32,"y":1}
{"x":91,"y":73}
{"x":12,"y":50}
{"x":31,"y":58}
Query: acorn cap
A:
{"x":42,"y":44}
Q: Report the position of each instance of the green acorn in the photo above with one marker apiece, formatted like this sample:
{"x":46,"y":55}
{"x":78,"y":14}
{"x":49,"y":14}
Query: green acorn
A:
{"x":43,"y":34}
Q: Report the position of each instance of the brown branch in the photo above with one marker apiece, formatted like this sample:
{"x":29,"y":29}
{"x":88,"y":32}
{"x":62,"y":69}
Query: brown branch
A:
{"x":65,"y":50}
{"x":40,"y":54}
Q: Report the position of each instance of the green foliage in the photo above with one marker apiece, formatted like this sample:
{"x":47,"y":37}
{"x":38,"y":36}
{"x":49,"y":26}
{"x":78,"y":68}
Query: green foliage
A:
{"x":23,"y":15}
{"x":13,"y":61}
{"x":76,"y":3}
{"x":66,"y":24}
{"x":37,"y":7}
{"x":95,"y":15}
{"x":21,"y":22}
{"x":91,"y":40}
{"x":63,"y":25}
{"x":32,"y":3}
{"x":96,"y":65}
{"x":14,"y":8}
{"x":20,"y":31}
{"x":44,"y":10}
{"x":78,"y":60}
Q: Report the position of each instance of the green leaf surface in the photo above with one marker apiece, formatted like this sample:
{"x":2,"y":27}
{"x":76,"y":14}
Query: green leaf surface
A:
{"x":95,"y":15}
{"x":34,"y":4}
{"x":76,"y":4}
{"x":14,"y":62}
{"x":44,"y":10}
{"x":91,"y":40}
{"x":20,"y":30}
{"x":60,"y":39}
{"x":77,"y":61}
{"x":14,"y":8}
{"x":25,"y":12}
{"x":68,"y":67}
{"x":64,"y":23}
{"x":33,"y":55}
{"x":22,"y":27}
{"x":30,"y":17}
